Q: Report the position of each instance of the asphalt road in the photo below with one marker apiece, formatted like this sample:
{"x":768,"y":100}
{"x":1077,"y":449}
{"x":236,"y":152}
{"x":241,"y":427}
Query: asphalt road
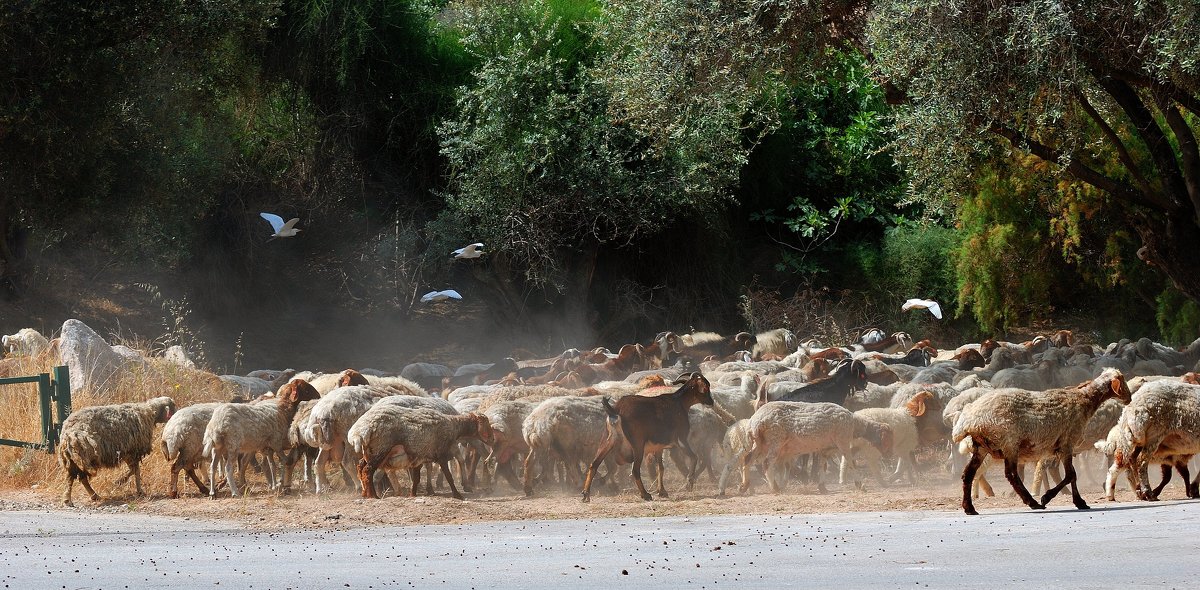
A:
{"x":1113,"y":545}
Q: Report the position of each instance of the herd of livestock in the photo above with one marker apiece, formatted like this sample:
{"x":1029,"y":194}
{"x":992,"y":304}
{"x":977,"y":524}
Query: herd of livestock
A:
{"x":764,"y":407}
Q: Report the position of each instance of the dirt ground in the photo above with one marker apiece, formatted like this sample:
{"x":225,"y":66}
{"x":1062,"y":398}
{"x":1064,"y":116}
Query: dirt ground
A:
{"x":342,"y":510}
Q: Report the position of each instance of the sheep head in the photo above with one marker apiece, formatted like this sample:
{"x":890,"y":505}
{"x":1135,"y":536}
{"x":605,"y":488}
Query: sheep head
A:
{"x":483,"y":428}
{"x":351,"y":377}
{"x":296,"y":391}
{"x":165,"y":408}
{"x":916,"y":405}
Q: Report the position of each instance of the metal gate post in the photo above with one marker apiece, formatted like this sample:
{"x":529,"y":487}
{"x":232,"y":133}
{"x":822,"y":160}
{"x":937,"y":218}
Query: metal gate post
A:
{"x":44,"y":395}
{"x":62,"y":400}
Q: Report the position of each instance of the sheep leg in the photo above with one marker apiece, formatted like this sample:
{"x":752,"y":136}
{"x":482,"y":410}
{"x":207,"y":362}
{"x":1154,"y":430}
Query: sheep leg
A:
{"x":1181,"y":466}
{"x":322,"y":463}
{"x":746,"y":461}
{"x":1166,"y":479}
{"x":1069,"y":472}
{"x":66,"y":499}
{"x":450,"y":479}
{"x":1014,"y":479}
{"x":1110,"y":482}
{"x":414,"y":474}
{"x":1069,"y":476}
{"x":527,"y":473}
{"x":212,"y":476}
{"x":968,"y":478}
{"x":506,"y":470}
{"x":692,"y":459}
{"x":231,"y":462}
{"x":135,"y":468}
{"x":173,"y":485}
{"x":609,"y":442}
{"x":191,"y":473}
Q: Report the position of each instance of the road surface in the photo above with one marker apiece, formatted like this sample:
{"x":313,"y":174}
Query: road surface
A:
{"x":1114,"y":545}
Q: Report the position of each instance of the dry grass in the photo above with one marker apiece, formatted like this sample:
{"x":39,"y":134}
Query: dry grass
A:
{"x":20,"y":419}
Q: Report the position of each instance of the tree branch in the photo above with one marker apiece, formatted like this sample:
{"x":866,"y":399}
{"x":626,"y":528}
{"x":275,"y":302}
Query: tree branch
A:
{"x":1097,"y":65}
{"x":1189,"y":155}
{"x":1077,"y":169}
{"x":1122,"y":151}
{"x":1150,"y":133}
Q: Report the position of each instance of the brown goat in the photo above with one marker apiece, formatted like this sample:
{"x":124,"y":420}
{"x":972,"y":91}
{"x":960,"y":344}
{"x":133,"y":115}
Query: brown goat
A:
{"x":649,"y":425}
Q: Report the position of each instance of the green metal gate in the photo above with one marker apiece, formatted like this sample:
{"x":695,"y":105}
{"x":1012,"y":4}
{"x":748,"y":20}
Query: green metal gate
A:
{"x":54,"y":388}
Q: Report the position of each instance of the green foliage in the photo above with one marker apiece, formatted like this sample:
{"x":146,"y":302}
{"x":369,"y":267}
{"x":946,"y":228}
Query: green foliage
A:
{"x":538,"y":167}
{"x":1004,"y":265}
{"x":1178,"y":317}
{"x":823,"y":168}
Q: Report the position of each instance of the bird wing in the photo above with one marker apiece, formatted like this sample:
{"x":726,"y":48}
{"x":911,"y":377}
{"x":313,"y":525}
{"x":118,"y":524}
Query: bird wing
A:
{"x":290,"y":224}
{"x":936,"y":310}
{"x":913,"y":304}
{"x":451,"y":293}
{"x":476,"y":245}
{"x":275,"y":220}
{"x":459,"y":251}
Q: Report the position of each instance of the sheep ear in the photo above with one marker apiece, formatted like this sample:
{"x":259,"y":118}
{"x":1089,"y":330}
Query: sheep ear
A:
{"x":916,"y":406}
{"x":1116,"y":386}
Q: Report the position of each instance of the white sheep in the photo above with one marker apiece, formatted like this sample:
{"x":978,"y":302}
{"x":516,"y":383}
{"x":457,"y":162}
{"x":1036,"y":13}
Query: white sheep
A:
{"x":905,"y":438}
{"x":1164,"y":412}
{"x":777,"y":343}
{"x":1117,"y":448}
{"x":237,"y":429}
{"x":781,"y":431}
{"x":182,"y":443}
{"x":392,"y":437}
{"x":106,"y":436}
{"x":329,"y":421}
{"x":507,"y":418}
{"x":26,"y":342}
{"x":569,"y":428}
{"x":1023,"y":426}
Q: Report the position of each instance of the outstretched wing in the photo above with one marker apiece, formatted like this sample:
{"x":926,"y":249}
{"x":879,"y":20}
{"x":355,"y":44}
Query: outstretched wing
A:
{"x":451,"y":293}
{"x":290,"y":224}
{"x":275,"y":220}
{"x":936,"y":310}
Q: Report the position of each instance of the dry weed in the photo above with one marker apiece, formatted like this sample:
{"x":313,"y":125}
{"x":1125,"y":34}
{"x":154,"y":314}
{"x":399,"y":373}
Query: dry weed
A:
{"x":20,"y":419}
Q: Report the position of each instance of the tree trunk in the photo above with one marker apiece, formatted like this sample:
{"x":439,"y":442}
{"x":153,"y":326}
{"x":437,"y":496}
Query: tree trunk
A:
{"x":1172,"y":245}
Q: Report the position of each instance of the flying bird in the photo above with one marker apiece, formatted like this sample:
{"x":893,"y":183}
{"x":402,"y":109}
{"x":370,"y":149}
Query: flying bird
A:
{"x":929,"y":304}
{"x":282,"y":230}
{"x":471,"y":251}
{"x":434,"y":296}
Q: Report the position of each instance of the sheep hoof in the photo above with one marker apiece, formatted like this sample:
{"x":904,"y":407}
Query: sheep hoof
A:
{"x":662,"y":494}
{"x":1082,"y":505}
{"x":586,"y":498}
{"x":970,"y":511}
{"x":173,"y":495}
{"x":647,"y":497}
{"x":1037,"y":506}
{"x":68,"y":503}
{"x":457,"y":496}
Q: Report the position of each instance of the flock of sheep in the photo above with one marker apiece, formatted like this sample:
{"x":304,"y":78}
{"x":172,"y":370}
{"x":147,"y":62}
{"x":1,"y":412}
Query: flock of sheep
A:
{"x":719,"y":404}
